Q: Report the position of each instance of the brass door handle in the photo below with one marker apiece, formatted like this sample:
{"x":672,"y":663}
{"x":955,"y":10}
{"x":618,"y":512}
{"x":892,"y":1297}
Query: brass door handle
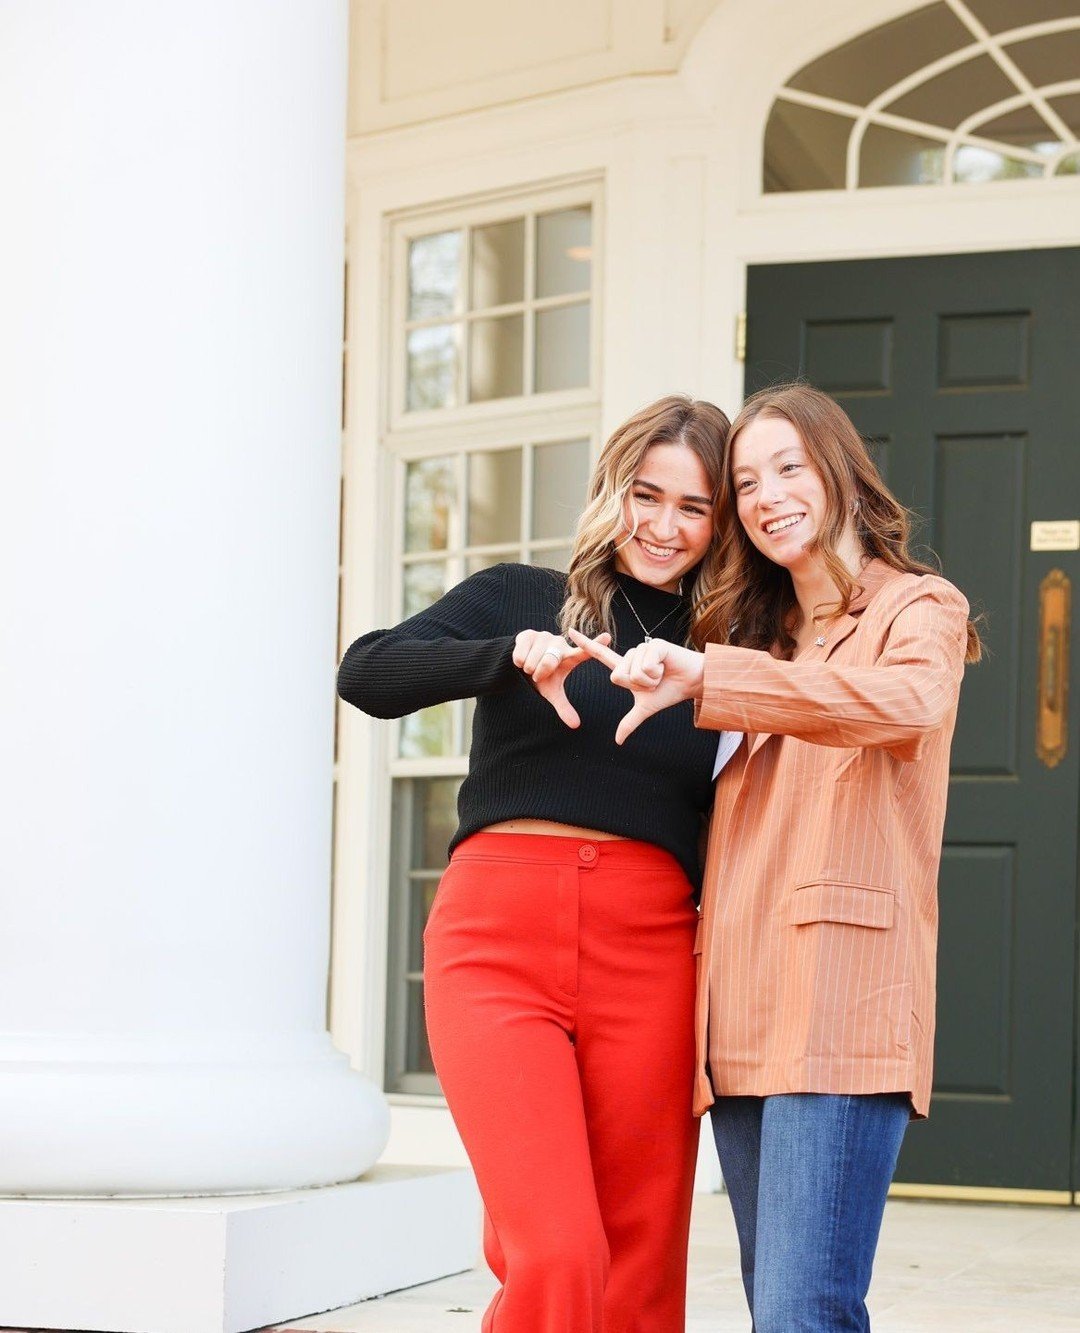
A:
{"x":1052,"y":719}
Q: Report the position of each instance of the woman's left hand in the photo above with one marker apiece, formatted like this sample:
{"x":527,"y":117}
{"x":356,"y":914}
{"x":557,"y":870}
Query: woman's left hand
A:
{"x":658,"y":674}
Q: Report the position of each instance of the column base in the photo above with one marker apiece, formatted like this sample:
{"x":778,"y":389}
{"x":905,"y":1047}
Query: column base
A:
{"x":232,"y":1264}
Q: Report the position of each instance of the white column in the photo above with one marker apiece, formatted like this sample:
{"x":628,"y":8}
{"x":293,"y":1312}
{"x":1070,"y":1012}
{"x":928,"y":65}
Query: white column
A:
{"x":170,"y":324}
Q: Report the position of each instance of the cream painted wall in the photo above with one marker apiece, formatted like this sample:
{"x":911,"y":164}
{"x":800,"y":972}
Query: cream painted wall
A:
{"x":415,"y":60}
{"x":679,"y":157}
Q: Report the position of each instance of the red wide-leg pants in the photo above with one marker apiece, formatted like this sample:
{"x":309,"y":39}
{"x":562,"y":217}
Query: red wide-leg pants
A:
{"x":559,"y":981}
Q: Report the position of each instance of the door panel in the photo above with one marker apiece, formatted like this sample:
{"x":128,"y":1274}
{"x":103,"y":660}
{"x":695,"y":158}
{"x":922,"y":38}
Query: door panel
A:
{"x":960,"y":372}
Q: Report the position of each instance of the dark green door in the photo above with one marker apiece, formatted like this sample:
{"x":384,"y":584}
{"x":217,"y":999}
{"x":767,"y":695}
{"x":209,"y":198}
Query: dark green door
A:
{"x":965,"y":372}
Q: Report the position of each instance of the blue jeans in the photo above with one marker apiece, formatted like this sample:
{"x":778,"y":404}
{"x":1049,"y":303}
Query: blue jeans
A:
{"x":807,"y":1174}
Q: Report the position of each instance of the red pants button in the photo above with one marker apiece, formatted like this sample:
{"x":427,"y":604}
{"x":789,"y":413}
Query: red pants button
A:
{"x":587,"y":853}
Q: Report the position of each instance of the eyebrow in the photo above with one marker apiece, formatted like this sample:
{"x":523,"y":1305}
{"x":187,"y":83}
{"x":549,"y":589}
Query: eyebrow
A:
{"x":651,"y":486}
{"x":790,"y":448}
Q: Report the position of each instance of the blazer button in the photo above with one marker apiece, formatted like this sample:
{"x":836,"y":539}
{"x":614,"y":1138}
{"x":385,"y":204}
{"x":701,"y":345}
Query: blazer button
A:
{"x":587,"y":853}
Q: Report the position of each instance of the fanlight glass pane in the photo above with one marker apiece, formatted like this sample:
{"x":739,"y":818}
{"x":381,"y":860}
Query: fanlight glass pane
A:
{"x":860,"y":69}
{"x":424,"y":584}
{"x":562,"y":347}
{"x":560,"y":476}
{"x":434,"y":274}
{"x":494,"y":513}
{"x":432,"y":368}
{"x":1068,"y":108}
{"x":428,"y":734}
{"x":496,"y":358}
{"x":1001,"y":15}
{"x":1050,"y":59}
{"x":564,"y":252}
{"x":1069,"y":166}
{"x":951,"y":97}
{"x":805,"y":148}
{"x":891,"y":157}
{"x":1024,"y":128}
{"x":429,"y":500}
{"x":976,"y":166}
{"x":498,"y":264}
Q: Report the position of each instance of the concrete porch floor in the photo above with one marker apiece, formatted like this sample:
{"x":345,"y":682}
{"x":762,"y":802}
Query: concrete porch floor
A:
{"x":941,"y":1268}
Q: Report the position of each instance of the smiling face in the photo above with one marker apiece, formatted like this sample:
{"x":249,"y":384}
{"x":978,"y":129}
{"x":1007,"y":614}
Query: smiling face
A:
{"x":780,"y":496}
{"x":669,"y":510}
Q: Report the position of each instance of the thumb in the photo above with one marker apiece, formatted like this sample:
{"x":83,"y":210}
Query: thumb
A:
{"x":556,"y":697}
{"x":631,"y":722}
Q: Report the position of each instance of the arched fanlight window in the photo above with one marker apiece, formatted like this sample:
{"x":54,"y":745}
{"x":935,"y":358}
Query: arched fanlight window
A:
{"x":958,"y":91}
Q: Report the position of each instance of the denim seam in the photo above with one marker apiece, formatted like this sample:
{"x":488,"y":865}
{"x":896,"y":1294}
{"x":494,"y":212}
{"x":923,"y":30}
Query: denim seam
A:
{"x":838,"y":1188}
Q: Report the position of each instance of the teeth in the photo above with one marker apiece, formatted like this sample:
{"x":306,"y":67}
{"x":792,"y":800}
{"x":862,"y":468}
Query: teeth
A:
{"x":782,"y":523}
{"x":661,"y":551}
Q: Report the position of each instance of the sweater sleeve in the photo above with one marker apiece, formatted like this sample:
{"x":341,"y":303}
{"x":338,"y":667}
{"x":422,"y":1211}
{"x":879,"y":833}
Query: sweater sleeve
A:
{"x":905,"y":695}
{"x":449,"y":651}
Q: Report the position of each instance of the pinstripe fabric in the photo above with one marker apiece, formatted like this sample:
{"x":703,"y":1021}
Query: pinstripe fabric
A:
{"x":818,"y":925}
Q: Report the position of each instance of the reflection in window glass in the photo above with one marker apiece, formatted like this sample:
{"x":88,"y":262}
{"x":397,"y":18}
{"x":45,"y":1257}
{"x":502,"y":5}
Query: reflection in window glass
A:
{"x":496,"y":358}
{"x":432,"y":368}
{"x":560,"y":476}
{"x":564,"y":252}
{"x":1023,"y":127}
{"x":494,"y":497}
{"x":429,"y":500}
{"x":891,"y":157}
{"x":498,"y":264}
{"x":562,"y":347}
{"x":976,"y":166}
{"x":428,"y":734}
{"x":559,"y":558}
{"x":434,"y":275}
{"x":805,"y":148}
{"x":475,"y":563}
{"x":423,"y":584}
{"x":1069,"y":166}
{"x":434,"y":822}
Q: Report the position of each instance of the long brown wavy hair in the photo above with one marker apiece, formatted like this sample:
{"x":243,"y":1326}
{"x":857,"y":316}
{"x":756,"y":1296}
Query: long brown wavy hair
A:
{"x":753,"y":602}
{"x":601,"y":530}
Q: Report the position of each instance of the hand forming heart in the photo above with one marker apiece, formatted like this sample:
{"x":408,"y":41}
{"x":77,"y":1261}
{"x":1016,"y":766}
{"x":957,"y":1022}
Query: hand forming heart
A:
{"x":658,"y":674}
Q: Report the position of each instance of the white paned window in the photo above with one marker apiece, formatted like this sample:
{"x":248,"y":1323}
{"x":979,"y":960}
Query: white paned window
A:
{"x":496,"y":304}
{"x":493,"y":426}
{"x":961,"y":91}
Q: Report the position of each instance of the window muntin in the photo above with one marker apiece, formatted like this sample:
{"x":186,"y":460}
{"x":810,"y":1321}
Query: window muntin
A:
{"x":926,"y":99}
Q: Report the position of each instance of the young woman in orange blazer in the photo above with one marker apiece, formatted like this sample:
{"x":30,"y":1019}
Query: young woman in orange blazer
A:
{"x":840,"y":659}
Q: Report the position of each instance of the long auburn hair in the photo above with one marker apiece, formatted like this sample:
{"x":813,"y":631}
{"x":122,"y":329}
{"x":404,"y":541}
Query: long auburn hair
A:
{"x":601,"y":530}
{"x":753,"y":601}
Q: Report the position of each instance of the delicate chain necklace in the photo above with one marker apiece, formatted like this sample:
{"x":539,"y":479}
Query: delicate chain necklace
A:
{"x":647,"y":632}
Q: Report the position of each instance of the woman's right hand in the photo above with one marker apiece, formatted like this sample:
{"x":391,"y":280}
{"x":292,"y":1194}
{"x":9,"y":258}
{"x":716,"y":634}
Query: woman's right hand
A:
{"x":547,"y":659}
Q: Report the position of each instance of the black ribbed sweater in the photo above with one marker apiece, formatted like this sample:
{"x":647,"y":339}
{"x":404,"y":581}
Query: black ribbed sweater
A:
{"x":524,"y":763}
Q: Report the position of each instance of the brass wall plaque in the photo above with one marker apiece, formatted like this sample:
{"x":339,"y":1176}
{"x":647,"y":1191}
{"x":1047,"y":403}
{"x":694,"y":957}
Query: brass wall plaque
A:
{"x":1052,"y":722}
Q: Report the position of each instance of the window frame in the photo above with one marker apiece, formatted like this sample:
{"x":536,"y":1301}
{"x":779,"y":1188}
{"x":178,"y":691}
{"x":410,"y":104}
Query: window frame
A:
{"x":469,"y":215}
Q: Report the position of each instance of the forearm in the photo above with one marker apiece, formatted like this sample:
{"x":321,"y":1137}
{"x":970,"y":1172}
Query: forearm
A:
{"x":388,"y":675}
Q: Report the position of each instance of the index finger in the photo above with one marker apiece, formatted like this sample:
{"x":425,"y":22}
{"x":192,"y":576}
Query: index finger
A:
{"x":595,"y":649}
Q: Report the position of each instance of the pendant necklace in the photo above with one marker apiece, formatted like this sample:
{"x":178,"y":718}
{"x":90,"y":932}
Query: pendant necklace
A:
{"x":647,"y":632}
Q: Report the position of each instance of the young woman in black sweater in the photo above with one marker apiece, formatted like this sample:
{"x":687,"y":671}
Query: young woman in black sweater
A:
{"x":558,"y":956}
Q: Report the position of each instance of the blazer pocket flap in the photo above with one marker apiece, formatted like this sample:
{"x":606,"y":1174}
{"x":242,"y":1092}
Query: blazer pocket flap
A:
{"x":849,"y":904}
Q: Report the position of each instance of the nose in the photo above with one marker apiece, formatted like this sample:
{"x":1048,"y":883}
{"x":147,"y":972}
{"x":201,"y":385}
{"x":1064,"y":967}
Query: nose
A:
{"x":770,"y":492}
{"x":665,"y":524}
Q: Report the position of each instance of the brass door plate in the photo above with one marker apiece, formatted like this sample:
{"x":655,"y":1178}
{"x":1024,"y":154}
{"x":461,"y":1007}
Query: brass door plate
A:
{"x":1052,"y":719}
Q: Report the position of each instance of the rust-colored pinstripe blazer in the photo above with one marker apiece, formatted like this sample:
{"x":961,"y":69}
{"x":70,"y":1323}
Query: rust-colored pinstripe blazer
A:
{"x":818,"y":925}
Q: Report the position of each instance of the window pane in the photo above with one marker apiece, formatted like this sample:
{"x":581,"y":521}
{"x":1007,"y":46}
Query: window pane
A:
{"x":1069,"y":166}
{"x":949,"y":98}
{"x":498,"y":264}
{"x":417,"y":1052}
{"x":428,"y":734}
{"x":432,"y":368}
{"x":560,"y":476}
{"x":421,"y":899}
{"x":1023,"y":127}
{"x":564,"y":252}
{"x":1051,"y":59}
{"x":1000,"y":15}
{"x":562,"y":347}
{"x":975,"y":166}
{"x":891,"y":157}
{"x":860,"y":69}
{"x":434,"y":274}
{"x":429,"y":501}
{"x":424,"y":583}
{"x":559,"y":558}
{"x":805,"y":149}
{"x":494,"y":497}
{"x":435,"y":810}
{"x":495,"y":358}
{"x":491,"y":558}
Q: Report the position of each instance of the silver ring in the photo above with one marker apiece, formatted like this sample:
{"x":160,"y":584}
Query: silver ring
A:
{"x":550,"y":652}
